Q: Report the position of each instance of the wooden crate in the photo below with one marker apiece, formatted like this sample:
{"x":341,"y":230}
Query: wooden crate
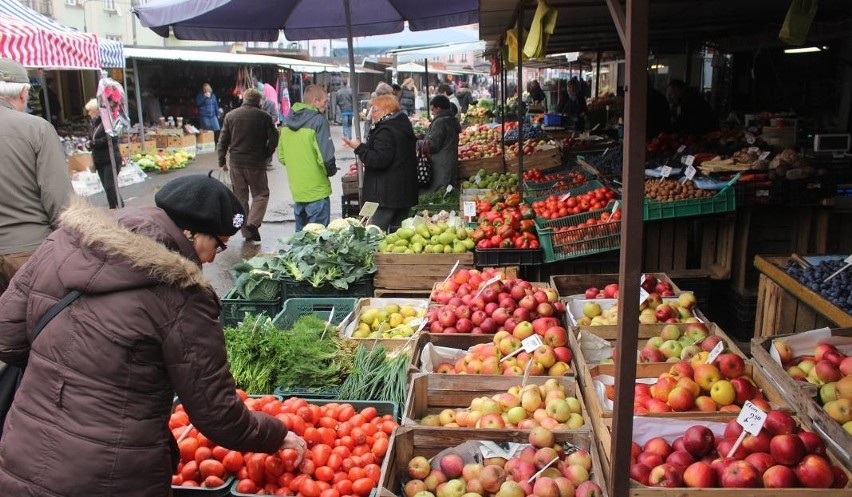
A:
{"x":784,"y":305}
{"x":349,"y":185}
{"x":410,"y":441}
{"x":653,"y":370}
{"x":431,"y":393}
{"x":576,"y":284}
{"x":461,"y":341}
{"x":405,"y":294}
{"x":692,"y":247}
{"x":836,"y":438}
{"x":468,"y":168}
{"x":416,"y":271}
{"x":610,"y":332}
{"x":541,"y":159}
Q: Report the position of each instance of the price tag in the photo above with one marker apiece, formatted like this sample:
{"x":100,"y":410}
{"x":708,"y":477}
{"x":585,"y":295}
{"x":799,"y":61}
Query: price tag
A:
{"x":369,"y":209}
{"x":690,"y":172}
{"x":477,"y":179}
{"x":715,"y":352}
{"x":612,"y":213}
{"x":563,"y":198}
{"x":753,"y":150}
{"x":469,"y":209}
{"x":485,"y":284}
{"x":750,"y":139}
{"x":533,"y":477}
{"x":666,"y":171}
{"x":423,"y":323}
{"x":689,"y":160}
{"x":581,"y":157}
{"x":452,"y":271}
{"x":531,"y":343}
{"x":449,"y":189}
{"x":751,"y":418}
{"x":643,"y":295}
{"x":763,"y":155}
{"x":605,"y":151}
{"x":681,"y":148}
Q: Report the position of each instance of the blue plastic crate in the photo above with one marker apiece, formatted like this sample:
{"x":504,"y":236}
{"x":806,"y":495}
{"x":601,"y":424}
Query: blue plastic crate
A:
{"x":553,"y":119}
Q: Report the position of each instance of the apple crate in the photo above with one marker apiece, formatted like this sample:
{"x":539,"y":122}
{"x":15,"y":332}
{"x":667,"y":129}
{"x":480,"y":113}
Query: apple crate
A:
{"x":432,"y":393}
{"x":574,"y":311}
{"x":575,"y":285}
{"x":543,"y":158}
{"x":470,"y":167}
{"x":836,"y":437}
{"x":416,"y":271}
{"x":644,"y":429}
{"x":578,"y":242}
{"x":410,"y":441}
{"x":554,"y":186}
{"x":588,"y":346}
{"x":348,"y":325}
{"x":651,"y":371}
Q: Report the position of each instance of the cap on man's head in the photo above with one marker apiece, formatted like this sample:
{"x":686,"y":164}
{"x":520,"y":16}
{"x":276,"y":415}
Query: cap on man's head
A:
{"x":12,"y":72}
{"x":201,"y":204}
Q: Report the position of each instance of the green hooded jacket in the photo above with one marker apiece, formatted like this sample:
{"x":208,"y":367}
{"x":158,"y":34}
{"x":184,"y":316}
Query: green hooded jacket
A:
{"x":307,"y":152}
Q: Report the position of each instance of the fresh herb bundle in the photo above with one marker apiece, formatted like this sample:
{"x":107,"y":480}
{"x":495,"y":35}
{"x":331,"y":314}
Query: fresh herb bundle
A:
{"x":376,"y":375}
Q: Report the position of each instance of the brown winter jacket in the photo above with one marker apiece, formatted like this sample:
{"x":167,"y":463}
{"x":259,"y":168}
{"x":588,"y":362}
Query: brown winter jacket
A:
{"x":248,"y":138}
{"x":91,"y":415}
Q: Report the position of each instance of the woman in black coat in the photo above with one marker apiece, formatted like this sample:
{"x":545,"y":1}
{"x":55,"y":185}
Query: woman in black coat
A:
{"x":98,"y":142}
{"x":441,"y":145}
{"x":390,"y":163}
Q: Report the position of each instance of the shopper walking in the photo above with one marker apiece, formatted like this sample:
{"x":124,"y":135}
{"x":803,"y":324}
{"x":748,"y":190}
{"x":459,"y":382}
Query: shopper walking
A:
{"x":99,"y":144}
{"x":35,"y":187}
{"x":390,"y":163}
{"x":346,"y":105}
{"x":247,"y":142}
{"x":445,"y":90}
{"x":407,"y":96}
{"x":441,"y":144}
{"x":145,"y":328}
{"x":208,"y":110}
{"x":307,"y":152}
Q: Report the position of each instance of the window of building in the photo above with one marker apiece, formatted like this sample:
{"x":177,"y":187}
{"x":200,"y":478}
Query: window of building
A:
{"x":451,"y":58}
{"x":325,"y":51}
{"x":464,"y":57}
{"x":109,"y":5}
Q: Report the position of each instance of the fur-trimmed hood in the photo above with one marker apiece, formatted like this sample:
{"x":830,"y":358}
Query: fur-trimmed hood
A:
{"x":105,"y":251}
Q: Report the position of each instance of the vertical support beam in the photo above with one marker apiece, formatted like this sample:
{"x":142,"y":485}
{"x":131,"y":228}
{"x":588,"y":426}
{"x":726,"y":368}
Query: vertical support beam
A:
{"x":687,"y":73}
{"x":616,"y":11}
{"x":597,"y":75}
{"x":138,"y":94}
{"x":353,"y":81}
{"x":521,"y":41}
{"x":630,"y":259}
{"x":504,"y":80}
{"x":426,"y":88}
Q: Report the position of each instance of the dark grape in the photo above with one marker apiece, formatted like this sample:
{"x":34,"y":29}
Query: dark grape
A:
{"x":838,"y":290}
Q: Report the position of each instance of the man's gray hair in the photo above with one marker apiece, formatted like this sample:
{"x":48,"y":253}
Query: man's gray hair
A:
{"x":12,"y":90}
{"x":383,"y":89}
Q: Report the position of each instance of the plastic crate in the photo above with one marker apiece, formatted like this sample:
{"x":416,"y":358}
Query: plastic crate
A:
{"x":306,"y":393}
{"x":507,"y":257}
{"x":553,"y":119}
{"x":759,"y":193}
{"x":360,"y":289}
{"x":220,"y":491}
{"x":234,"y":309}
{"x":542,"y":188}
{"x":295,"y":308}
{"x":349,"y":205}
{"x":577,"y":242}
{"x":724,"y":201}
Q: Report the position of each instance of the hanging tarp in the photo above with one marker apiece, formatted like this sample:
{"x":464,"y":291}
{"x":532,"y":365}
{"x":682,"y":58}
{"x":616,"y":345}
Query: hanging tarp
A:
{"x":61,"y":47}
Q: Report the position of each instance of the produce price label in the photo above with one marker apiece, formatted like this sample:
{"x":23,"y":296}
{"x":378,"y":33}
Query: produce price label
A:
{"x":751,"y":418}
{"x":753,"y":150}
{"x":763,"y":155}
{"x":666,"y":171}
{"x":718,"y":349}
{"x":369,"y":209}
{"x":484,"y":285}
{"x":449,"y":189}
{"x":690,"y":172}
{"x":531,"y":343}
{"x":643,"y":295}
{"x":605,"y":151}
{"x":681,"y":148}
{"x":563,"y":198}
{"x":848,"y":260}
{"x":477,"y":179}
{"x":470,"y":209}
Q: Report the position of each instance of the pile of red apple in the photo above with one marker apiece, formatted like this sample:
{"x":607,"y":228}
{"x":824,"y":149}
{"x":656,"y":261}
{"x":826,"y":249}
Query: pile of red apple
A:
{"x":780,"y":456}
{"x":829,"y":368}
{"x":564,"y":474}
{"x":650,"y":284}
{"x":694,"y":385}
{"x":572,"y":238}
{"x":524,"y":408}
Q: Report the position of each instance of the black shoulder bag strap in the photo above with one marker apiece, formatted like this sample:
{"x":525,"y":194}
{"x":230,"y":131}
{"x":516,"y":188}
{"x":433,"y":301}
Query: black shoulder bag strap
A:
{"x":53,"y":311}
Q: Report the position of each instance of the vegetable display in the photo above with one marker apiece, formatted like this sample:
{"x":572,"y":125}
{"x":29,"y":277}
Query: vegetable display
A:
{"x":377,"y":375}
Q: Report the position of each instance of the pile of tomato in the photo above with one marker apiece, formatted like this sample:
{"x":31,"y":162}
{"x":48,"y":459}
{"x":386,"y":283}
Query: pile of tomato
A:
{"x":556,"y":206}
{"x":505,"y":223}
{"x":345,"y":451}
{"x":594,"y":227}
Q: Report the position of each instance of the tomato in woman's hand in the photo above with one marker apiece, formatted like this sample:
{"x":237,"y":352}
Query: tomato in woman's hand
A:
{"x":273,"y":466}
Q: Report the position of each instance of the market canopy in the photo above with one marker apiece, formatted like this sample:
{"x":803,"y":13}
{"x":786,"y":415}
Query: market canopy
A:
{"x":253,"y":20}
{"x":35,"y":40}
{"x":225,"y":58}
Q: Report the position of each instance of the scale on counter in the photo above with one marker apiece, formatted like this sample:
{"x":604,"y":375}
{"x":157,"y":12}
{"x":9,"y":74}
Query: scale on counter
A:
{"x":835,"y":144}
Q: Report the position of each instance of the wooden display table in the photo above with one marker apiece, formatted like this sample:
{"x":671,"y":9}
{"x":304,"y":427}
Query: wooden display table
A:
{"x":786,"y":306}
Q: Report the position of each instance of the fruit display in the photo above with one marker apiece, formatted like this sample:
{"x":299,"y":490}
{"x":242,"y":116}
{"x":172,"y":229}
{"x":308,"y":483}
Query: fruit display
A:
{"x":561,"y":471}
{"x":548,"y":406}
{"x":162,"y":161}
{"x":530,"y":134}
{"x":649,"y":283}
{"x":420,"y":125}
{"x":480,"y":142}
{"x":667,"y":143}
{"x":676,"y":343}
{"x":666,"y":190}
{"x":831,"y":370}
{"x":653,"y":310}
{"x":496,"y":182}
{"x":329,"y":431}
{"x":609,"y":163}
{"x":781,"y":455}
{"x":428,"y":238}
{"x":837,"y":290}
{"x":531,"y":146}
{"x":556,"y":206}
{"x":389,"y":321}
{"x":504,"y":223}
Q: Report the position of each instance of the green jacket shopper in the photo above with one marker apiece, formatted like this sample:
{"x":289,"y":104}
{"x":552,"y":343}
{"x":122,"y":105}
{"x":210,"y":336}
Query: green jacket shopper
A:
{"x":307,"y":152}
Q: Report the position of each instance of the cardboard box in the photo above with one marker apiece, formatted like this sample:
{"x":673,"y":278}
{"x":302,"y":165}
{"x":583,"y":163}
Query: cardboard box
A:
{"x":188,"y":141}
{"x":162,"y":141}
{"x":124,"y":149}
{"x":80,"y":162}
{"x":204,"y":137}
{"x":135,"y":148}
{"x":149,"y":146}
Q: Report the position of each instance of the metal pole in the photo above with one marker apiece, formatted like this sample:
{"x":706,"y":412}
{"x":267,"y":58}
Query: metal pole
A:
{"x":503,"y":96}
{"x":598,"y":76}
{"x":630,"y":259}
{"x":520,"y":92}
{"x":426,"y":88}
{"x":354,"y":84}
{"x":46,"y":98}
{"x":138,"y":92}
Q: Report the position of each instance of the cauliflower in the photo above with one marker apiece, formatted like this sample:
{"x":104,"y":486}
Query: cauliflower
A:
{"x":314,"y":227}
{"x":339,"y":224}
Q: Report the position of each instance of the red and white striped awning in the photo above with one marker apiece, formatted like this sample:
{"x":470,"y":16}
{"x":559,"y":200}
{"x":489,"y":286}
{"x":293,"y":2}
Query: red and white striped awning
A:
{"x":34,"y":46}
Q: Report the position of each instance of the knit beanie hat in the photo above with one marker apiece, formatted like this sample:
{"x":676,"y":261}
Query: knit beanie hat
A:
{"x":201,"y":204}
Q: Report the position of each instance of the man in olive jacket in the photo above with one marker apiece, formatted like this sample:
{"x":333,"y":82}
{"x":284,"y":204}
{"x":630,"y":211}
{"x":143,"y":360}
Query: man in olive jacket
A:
{"x":307,"y":152}
{"x":249,"y":138}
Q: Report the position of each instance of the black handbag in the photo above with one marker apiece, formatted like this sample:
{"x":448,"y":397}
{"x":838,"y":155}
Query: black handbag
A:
{"x":10,"y":376}
{"x":424,"y":170}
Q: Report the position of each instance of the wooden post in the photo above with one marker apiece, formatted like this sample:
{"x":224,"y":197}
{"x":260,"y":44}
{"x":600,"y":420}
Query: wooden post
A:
{"x":520,"y":93}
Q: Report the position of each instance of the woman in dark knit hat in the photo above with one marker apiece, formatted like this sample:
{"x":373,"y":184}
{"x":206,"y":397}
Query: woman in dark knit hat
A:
{"x":93,"y":408}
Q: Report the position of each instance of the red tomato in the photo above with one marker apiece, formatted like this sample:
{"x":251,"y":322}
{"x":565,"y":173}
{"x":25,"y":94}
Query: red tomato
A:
{"x":270,"y":488}
{"x":178,"y":419}
{"x":344,"y":487}
{"x":189,"y":471}
{"x":299,"y":425}
{"x":330,"y":493}
{"x":273,"y":466}
{"x":307,"y":467}
{"x":242,"y":394}
{"x":328,"y":422}
{"x":233,"y":461}
{"x":203,"y":453}
{"x":312,"y":436}
{"x":324,"y":473}
{"x":297,"y":481}
{"x":220,"y":452}
{"x":327,"y":436}
{"x":359,"y":436}
{"x":187,"y":447}
{"x":334,"y":461}
{"x":211,"y":467}
{"x":345,"y":412}
{"x":373,"y":472}
{"x":356,"y":473}
{"x":189,"y":483}
{"x":247,"y":486}
{"x":255,"y":468}
{"x":320,"y":454}
{"x":309,"y":488}
{"x":363,"y":486}
{"x":213,"y":482}
{"x":344,"y":428}
{"x":242,"y":474}
{"x":177,"y":480}
{"x":380,"y":447}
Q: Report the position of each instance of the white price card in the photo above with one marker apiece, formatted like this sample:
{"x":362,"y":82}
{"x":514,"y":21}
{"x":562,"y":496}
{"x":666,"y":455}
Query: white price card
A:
{"x":469,"y":209}
{"x":753,"y":150}
{"x":485,"y":284}
{"x":681,"y":148}
{"x":565,"y":197}
{"x":763,"y":155}
{"x":449,"y":189}
{"x":751,"y":418}
{"x":605,"y":151}
{"x":369,"y":209}
{"x":848,"y":260}
{"x":477,"y":179}
{"x":666,"y":171}
{"x":689,"y":160}
{"x":643,"y":295}
{"x":612,"y":213}
{"x":531,"y":343}
{"x":718,"y":349}
{"x":452,"y":271}
{"x":690,"y":172}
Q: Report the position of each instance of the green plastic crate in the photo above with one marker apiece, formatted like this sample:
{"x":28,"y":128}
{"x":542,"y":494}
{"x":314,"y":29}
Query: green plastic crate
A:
{"x":724,"y":201}
{"x":362,"y":288}
{"x":320,"y":307}
{"x":234,"y":310}
{"x":584,"y":188}
{"x":578,"y":242}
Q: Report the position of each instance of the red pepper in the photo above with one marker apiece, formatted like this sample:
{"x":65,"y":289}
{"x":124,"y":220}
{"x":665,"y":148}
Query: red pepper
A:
{"x":527,"y":226}
{"x":483,"y":244}
{"x":507,"y":243}
{"x":496,"y":241}
{"x":505,"y":231}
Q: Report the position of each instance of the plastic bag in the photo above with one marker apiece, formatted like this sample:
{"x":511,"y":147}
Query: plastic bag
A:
{"x":798,"y":22}
{"x":225,"y":177}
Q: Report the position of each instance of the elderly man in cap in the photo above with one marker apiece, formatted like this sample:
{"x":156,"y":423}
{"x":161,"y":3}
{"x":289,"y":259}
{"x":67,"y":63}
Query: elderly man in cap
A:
{"x":34,"y":183}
